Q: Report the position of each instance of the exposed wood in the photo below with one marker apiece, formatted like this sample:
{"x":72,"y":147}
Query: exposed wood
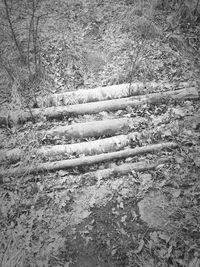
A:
{"x":91,"y":129}
{"x":89,"y":148}
{"x":83,"y":161}
{"x":108,"y":93}
{"x":113,"y":105}
{"x":109,"y":105}
{"x":84,"y":148}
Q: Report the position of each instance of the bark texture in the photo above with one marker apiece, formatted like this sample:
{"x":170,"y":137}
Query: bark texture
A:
{"x":109,"y":105}
{"x":84,"y":148}
{"x":112,"y":105}
{"x":108,"y":93}
{"x":125,"y":169}
{"x":83,"y":161}
{"x":93,"y":128}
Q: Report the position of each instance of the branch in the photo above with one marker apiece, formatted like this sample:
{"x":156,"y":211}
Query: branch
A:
{"x":7,"y":69}
{"x":196,"y":8}
{"x":12,"y":29}
{"x":31,"y":27}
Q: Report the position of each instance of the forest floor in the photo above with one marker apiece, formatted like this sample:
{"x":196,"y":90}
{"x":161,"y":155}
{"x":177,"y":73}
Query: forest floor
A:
{"x":71,"y":218}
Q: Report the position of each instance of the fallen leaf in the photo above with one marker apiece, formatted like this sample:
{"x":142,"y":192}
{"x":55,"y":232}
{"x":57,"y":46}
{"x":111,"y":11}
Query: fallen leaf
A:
{"x":85,"y":214}
{"x":128,"y":159}
{"x":123,"y":218}
{"x":121,"y":205}
{"x":123,"y":232}
{"x":62,"y":173}
{"x":134,"y":214}
{"x":154,"y":237}
{"x":194,"y":262}
{"x":141,"y":245}
{"x":179,"y":160}
{"x":119,"y":199}
{"x":164,"y":236}
{"x":113,"y":252}
{"x":162,"y":252}
{"x":197,"y":161}
{"x":167,"y":133}
{"x":160,"y":166}
{"x":169,"y":251}
{"x":40,"y":214}
{"x":176,"y":193}
{"x":92,"y":202}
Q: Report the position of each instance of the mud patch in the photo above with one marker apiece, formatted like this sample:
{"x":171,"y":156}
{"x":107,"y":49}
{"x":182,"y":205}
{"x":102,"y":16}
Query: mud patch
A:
{"x":98,"y":196}
{"x":155,"y":210}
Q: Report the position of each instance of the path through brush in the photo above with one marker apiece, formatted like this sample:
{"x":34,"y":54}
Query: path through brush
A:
{"x":97,"y":150}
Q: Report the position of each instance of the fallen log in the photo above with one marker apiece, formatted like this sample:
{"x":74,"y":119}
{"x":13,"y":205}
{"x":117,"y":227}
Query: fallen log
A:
{"x":83,"y":161}
{"x":124,"y":169}
{"x":113,"y":105}
{"x":109,"y":105}
{"x":84,"y":148}
{"x":89,"y":129}
{"x":93,"y":128}
{"x":91,"y":147}
{"x":108,"y":93}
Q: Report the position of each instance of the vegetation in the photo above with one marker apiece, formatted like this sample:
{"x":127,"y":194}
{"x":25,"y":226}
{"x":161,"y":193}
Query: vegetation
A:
{"x":105,"y":176}
{"x":50,"y":47}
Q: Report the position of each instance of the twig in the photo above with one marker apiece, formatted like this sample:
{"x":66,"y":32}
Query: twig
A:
{"x":12,"y":29}
{"x":4,"y":101}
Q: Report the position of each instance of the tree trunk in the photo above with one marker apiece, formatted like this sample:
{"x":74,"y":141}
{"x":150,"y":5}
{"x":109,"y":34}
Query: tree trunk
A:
{"x":107,"y":93}
{"x":83,"y":161}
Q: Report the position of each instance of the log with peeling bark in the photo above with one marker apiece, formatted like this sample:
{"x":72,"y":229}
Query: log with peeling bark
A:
{"x":113,"y":105}
{"x":108,"y":93}
{"x":91,"y":147}
{"x":83,"y":161}
{"x":94,"y":128}
{"x":109,"y":105}
{"x":84,"y":148}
